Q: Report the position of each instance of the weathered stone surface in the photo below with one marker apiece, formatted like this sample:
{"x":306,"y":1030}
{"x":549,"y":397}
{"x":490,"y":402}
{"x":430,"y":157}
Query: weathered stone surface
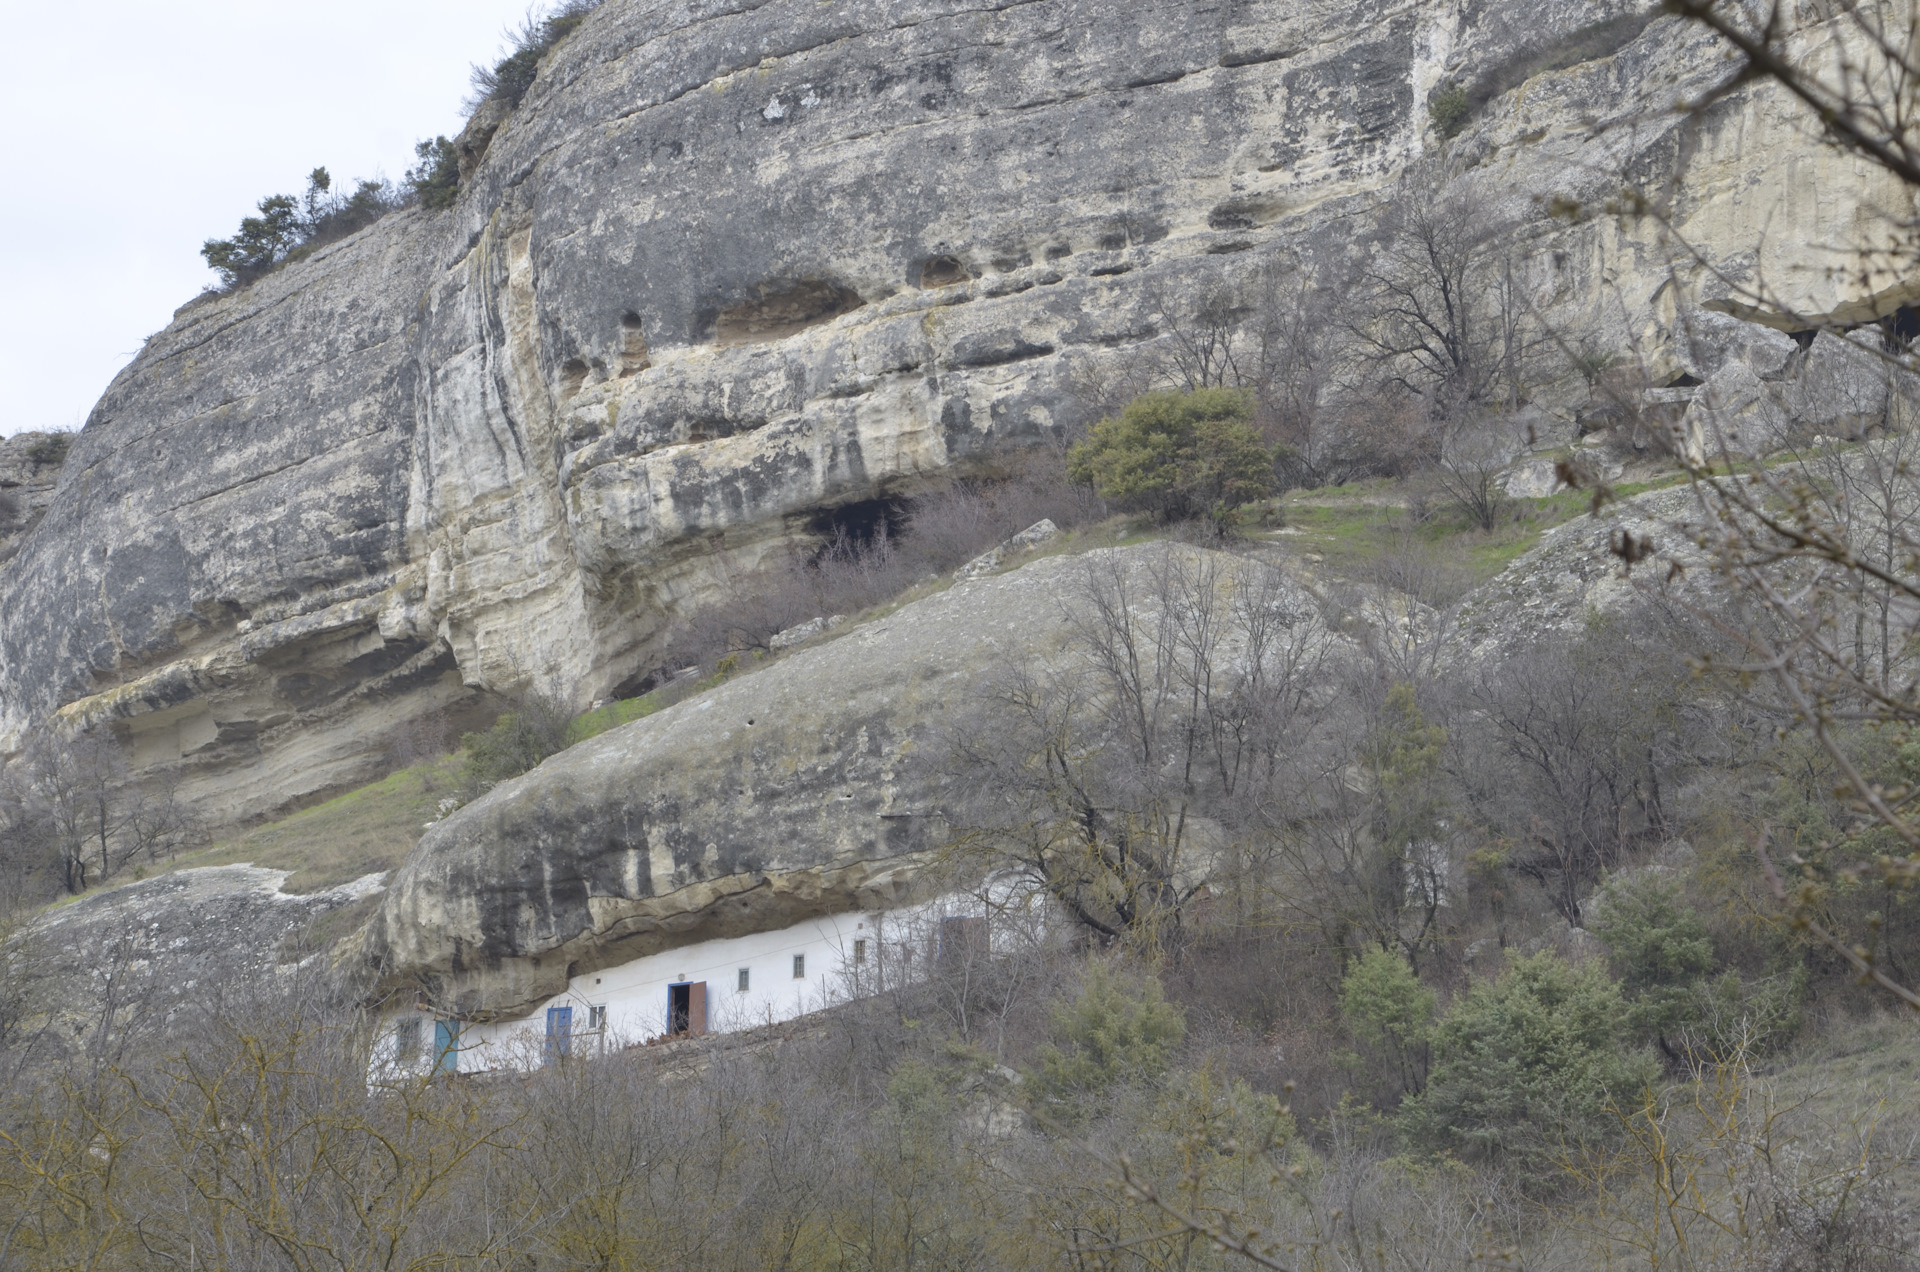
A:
{"x":144,"y":952}
{"x":736,"y":262}
{"x":1557,"y":588}
{"x":30,"y":466}
{"x":1534,"y":479}
{"x":809,"y":787}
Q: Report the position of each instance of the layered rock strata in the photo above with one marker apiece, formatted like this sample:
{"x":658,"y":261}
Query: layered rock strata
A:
{"x":814,"y":786}
{"x":735,"y":264}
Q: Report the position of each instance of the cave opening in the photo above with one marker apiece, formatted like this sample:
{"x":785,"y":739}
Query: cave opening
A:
{"x":859,"y":524}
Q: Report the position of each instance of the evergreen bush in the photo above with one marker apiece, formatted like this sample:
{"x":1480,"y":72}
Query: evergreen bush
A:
{"x":435,"y":180}
{"x":1527,"y":1064}
{"x":1179,"y":455}
{"x":1658,"y":946}
{"x":1389,"y":1012}
{"x":1119,"y":1028}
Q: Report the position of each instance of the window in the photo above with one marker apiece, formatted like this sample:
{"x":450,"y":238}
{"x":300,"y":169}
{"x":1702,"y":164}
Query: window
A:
{"x":745,"y":978}
{"x":406,"y":1038}
{"x":799,"y":967}
{"x":597,"y":1018}
{"x":860,"y":950}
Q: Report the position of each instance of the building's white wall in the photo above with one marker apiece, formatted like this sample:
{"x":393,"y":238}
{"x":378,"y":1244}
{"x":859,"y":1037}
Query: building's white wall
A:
{"x":900,"y":943}
{"x":635,"y":994}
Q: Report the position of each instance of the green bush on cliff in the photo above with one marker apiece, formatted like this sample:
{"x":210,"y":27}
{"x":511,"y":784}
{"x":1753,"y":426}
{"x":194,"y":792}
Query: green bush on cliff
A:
{"x":435,"y":180}
{"x":1449,"y":110}
{"x":1178,"y":455}
{"x":288,"y":227}
{"x":537,"y":725}
{"x":508,"y":80}
{"x":51,"y":449}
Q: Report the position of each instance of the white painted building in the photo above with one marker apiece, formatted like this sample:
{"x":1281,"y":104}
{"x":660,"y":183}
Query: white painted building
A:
{"x":717,"y":986}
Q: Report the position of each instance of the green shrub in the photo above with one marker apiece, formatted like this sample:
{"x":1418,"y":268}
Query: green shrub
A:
{"x":1390,"y":1012}
{"x":1449,"y":109}
{"x":1119,"y":1028}
{"x":1178,"y":455}
{"x":538,"y":726}
{"x":261,"y":243}
{"x":435,"y":180}
{"x":1658,"y":946}
{"x":288,"y":227}
{"x":509,"y":79}
{"x":1525,"y":1063}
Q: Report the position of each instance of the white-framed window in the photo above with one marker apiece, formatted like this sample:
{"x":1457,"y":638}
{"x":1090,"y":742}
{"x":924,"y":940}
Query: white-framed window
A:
{"x":746,"y":979}
{"x":860,"y":949}
{"x":597,"y":1018}
{"x":799,"y":967}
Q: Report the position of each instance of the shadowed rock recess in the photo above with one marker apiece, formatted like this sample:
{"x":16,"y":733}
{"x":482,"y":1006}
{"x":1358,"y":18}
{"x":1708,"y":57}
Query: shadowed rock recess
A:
{"x":732,"y":263}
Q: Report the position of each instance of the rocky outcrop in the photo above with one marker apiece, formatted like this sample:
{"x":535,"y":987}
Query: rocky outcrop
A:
{"x":30,"y":466}
{"x":820,"y":784}
{"x":802,"y":789}
{"x":733,"y":265}
{"x":154,"y":954}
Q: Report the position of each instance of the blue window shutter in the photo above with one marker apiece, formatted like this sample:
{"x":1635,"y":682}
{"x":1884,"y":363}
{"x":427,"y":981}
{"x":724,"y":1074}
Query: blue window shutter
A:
{"x":446,"y":1046}
{"x":559,"y":1032}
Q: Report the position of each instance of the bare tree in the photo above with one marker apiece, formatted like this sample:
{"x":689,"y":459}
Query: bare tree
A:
{"x":1440,"y":303}
{"x":71,"y":796}
{"x":1114,"y":780}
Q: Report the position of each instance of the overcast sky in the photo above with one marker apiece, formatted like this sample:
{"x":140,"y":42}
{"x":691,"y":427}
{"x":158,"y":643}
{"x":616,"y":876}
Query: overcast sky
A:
{"x":135,"y":131}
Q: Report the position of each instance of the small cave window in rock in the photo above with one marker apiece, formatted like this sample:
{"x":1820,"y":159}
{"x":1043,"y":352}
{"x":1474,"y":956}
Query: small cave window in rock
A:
{"x":634,"y":354}
{"x":858,"y":524}
{"x":943,"y":271}
{"x":1900,"y":328}
{"x":783,"y":309}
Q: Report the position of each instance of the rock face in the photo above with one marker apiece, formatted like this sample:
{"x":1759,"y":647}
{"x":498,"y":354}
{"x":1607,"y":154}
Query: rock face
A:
{"x":735,"y":264}
{"x":798,"y":790}
{"x":147,"y":952}
{"x":29,"y":467}
{"x":814,"y":786}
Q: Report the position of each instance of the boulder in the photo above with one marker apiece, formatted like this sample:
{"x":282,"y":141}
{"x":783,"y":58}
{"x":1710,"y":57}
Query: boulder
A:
{"x":1534,"y":479}
{"x":803,"y":788}
{"x":1734,"y":415}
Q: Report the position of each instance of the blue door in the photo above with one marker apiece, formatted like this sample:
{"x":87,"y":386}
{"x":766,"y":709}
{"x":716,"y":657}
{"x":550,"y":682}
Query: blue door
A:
{"x":559,"y":1033}
{"x":446,"y":1046}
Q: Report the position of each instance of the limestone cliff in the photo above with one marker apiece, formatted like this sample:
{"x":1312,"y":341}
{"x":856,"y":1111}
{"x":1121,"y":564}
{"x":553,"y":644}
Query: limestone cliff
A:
{"x":733,"y":263}
{"x":29,"y":468}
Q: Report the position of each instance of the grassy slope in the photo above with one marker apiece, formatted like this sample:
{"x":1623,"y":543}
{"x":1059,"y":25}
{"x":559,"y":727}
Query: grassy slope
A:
{"x":365,"y":831}
{"x":1347,"y":528}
